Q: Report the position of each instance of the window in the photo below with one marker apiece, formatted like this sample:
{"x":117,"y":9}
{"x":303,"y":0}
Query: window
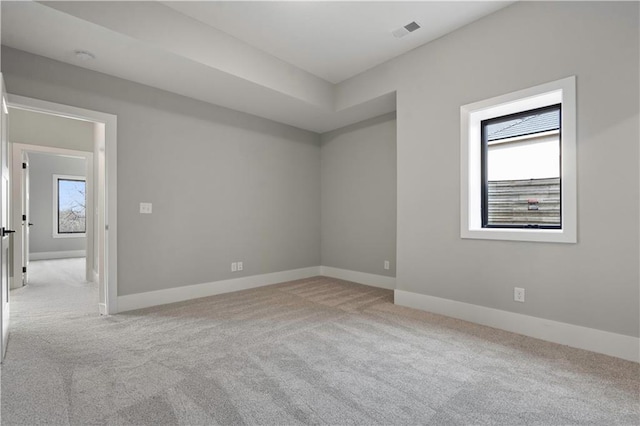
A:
{"x":521,"y":170}
{"x":518,"y":165}
{"x":69,"y":198}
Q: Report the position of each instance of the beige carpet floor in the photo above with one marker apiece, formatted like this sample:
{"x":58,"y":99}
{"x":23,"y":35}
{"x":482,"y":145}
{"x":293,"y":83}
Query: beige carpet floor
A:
{"x":314,"y":351}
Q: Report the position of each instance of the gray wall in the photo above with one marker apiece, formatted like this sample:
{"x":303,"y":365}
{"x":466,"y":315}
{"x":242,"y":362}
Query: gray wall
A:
{"x":225,"y":186}
{"x":42,"y":167}
{"x":49,"y":130}
{"x":594,"y":283}
{"x":358,"y":166}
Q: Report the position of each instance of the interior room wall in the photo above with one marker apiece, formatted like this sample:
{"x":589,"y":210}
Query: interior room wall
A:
{"x":225,"y":186}
{"x":42,"y":167}
{"x":594,"y":283}
{"x":358,"y":169}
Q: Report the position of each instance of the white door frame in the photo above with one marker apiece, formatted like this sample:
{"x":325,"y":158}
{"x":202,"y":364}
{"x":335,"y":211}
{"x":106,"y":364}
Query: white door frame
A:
{"x":5,"y":216}
{"x":109,"y":214}
{"x":18,"y":149}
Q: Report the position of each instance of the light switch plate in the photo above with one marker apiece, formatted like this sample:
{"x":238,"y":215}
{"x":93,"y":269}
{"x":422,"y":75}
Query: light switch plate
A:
{"x":145,"y":208}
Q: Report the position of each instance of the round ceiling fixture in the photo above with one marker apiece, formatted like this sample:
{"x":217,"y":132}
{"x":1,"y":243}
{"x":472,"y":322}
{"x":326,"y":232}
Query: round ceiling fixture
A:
{"x":83,"y":55}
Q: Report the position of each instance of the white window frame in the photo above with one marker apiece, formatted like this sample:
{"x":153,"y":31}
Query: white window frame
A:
{"x":56,"y":178}
{"x":561,"y":91}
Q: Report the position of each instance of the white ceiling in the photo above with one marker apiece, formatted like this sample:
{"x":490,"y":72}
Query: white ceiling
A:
{"x":278,"y":60}
{"x":335,"y":40}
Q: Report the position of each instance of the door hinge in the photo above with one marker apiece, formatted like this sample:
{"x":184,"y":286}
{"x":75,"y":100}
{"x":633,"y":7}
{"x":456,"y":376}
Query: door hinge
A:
{"x":24,"y":217}
{"x":24,"y":165}
{"x":24,"y":269}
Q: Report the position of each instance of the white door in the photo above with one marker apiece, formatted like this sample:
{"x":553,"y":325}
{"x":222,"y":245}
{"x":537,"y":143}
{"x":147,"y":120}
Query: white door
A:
{"x":4,"y":221}
{"x":26,"y":218}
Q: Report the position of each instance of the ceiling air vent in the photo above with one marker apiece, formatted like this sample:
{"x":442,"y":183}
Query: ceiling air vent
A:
{"x":409,"y":28}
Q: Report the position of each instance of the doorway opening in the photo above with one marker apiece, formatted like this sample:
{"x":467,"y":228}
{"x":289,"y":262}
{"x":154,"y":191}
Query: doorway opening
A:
{"x":75,"y":219}
{"x":54,"y":196}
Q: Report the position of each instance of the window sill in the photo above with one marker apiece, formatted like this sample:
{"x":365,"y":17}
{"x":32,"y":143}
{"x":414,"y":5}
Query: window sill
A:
{"x":69,"y":235}
{"x":536,"y":235}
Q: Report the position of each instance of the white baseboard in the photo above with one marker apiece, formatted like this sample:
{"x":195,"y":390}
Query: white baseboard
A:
{"x":617,"y":345}
{"x":47,"y":255}
{"x":179,"y":294}
{"x":604,"y":342}
{"x":359,"y":277}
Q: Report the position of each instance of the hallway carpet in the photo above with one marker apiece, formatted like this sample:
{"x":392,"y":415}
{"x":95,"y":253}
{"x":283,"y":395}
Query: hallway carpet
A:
{"x":313,"y":351}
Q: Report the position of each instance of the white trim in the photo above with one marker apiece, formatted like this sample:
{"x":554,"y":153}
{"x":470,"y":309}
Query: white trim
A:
{"x":604,"y":342}
{"x":46,"y":255}
{"x":56,"y":212}
{"x":561,"y":91}
{"x":110,"y":122}
{"x":179,"y":294}
{"x":372,"y":280}
{"x":102,"y":308}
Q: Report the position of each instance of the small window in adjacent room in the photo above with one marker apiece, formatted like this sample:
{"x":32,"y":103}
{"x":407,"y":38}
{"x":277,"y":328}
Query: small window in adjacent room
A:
{"x":518,"y":165}
{"x":69,"y":206}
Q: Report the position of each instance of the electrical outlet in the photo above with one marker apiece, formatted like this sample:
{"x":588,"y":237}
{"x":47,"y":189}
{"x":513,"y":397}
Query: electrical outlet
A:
{"x":386,"y":264}
{"x":518,"y":294}
{"x":240,"y":266}
{"x":234,"y":267}
{"x":145,"y":208}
